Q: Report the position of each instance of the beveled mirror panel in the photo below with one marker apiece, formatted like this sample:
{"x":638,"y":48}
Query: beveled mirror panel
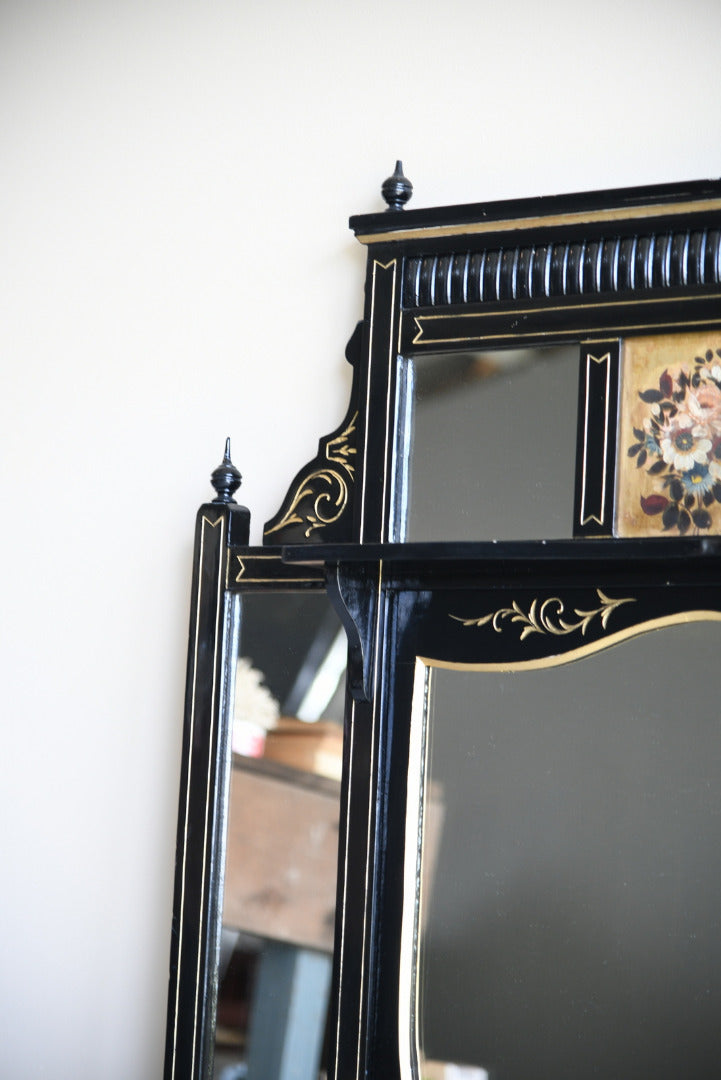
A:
{"x":282,"y":838}
{"x":493,"y":444}
{"x":569,"y":918}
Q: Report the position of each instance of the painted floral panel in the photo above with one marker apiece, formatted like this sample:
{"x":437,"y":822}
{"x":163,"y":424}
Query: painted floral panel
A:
{"x":668,"y":474}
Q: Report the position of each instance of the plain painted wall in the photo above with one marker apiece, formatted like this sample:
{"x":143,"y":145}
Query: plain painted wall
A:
{"x":175,"y":182}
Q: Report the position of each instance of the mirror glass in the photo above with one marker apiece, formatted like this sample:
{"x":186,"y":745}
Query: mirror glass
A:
{"x":492,"y":445}
{"x":570,"y":922}
{"x":282,"y":839}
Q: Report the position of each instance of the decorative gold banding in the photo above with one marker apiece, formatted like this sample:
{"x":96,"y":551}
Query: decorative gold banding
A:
{"x":555,"y":334}
{"x":392,"y":267}
{"x":586,"y":518}
{"x":546,"y":618}
{"x":246,"y":576}
{"x":540,"y":221}
{"x":576,"y":332}
{"x":583,"y":650}
{"x":413,"y":898}
{"x":195,"y":929}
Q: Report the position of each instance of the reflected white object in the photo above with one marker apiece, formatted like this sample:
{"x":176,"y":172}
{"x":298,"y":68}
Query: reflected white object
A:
{"x":448,"y":1070}
{"x":465,"y":1072}
{"x":248,"y":738}
{"x":255,"y":710}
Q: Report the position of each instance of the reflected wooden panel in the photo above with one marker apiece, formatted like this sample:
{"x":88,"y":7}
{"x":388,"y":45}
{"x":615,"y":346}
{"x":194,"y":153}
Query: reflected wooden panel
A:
{"x":282,"y":854}
{"x":572,"y":925}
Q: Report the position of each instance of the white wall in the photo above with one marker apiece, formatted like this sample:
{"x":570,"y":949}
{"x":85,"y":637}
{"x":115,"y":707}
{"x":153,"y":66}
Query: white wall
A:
{"x":175,"y":182}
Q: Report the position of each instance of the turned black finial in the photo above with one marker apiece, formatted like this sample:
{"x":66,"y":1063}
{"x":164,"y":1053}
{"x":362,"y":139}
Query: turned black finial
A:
{"x":226,"y":478}
{"x":397,"y":189}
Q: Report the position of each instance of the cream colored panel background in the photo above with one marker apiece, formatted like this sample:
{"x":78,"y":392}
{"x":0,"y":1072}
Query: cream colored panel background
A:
{"x":668,"y":465}
{"x":176,"y":180}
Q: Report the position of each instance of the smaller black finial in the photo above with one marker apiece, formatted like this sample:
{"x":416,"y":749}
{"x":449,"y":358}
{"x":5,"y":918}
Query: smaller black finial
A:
{"x":226,"y":478}
{"x":397,"y":189}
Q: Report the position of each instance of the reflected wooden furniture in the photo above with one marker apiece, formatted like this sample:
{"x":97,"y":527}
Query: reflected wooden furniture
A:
{"x":282,"y":853}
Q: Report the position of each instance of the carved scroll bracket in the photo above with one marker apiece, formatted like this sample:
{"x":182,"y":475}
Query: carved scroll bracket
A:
{"x":318,"y":505}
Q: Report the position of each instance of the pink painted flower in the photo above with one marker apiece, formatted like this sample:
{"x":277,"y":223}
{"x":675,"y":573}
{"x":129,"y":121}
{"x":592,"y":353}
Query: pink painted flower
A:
{"x":704,"y":405}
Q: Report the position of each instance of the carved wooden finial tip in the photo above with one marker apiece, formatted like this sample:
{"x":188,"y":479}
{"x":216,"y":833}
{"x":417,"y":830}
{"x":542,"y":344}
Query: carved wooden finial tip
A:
{"x":226,"y":478}
{"x":397,"y":189}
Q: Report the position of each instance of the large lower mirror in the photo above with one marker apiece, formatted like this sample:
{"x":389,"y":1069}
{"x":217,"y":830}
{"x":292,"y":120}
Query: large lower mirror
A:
{"x":493,"y":444}
{"x":282,"y":839}
{"x":569,"y":918}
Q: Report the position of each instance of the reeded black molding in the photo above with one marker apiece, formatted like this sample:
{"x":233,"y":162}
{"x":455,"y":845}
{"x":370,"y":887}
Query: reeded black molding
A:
{"x":605,"y":265}
{"x":319,"y":503}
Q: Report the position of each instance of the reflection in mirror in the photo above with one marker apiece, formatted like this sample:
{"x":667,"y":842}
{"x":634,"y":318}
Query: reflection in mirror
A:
{"x":493,"y":445}
{"x":282,"y":839}
{"x":569,"y":921}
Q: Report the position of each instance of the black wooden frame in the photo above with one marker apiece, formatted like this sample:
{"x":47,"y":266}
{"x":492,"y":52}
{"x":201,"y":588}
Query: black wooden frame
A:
{"x":403,"y":602}
{"x":587,"y":268}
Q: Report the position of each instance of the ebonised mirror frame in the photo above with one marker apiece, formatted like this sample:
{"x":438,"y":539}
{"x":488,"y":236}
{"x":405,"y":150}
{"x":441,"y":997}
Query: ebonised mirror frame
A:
{"x":596,"y":270}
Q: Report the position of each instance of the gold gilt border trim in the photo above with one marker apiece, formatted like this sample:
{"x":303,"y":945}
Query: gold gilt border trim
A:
{"x":245,"y":562}
{"x":413,"y":896}
{"x":391,"y":265}
{"x":599,"y":517}
{"x":601,"y":304}
{"x":578,"y":217}
{"x":583,"y":650}
{"x":218,"y":586}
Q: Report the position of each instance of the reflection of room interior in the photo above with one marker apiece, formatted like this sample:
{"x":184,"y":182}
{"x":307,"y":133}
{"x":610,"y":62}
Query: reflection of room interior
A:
{"x":281,"y":863}
{"x":599,"y":941}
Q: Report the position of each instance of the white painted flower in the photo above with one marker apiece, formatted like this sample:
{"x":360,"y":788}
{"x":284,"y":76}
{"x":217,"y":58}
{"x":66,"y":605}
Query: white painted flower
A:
{"x":685,"y":443}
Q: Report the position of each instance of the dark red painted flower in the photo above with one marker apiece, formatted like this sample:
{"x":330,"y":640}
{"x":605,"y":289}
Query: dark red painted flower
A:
{"x":654,"y":504}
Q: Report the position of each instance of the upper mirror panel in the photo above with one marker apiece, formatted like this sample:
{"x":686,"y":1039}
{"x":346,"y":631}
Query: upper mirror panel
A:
{"x":492,"y":451}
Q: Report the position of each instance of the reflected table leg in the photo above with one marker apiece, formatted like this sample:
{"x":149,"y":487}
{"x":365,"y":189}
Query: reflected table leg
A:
{"x":288,"y":1018}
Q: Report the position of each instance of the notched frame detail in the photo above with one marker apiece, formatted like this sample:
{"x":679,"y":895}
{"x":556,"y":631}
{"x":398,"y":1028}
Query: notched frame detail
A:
{"x":596,"y":442}
{"x":263,"y":568}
